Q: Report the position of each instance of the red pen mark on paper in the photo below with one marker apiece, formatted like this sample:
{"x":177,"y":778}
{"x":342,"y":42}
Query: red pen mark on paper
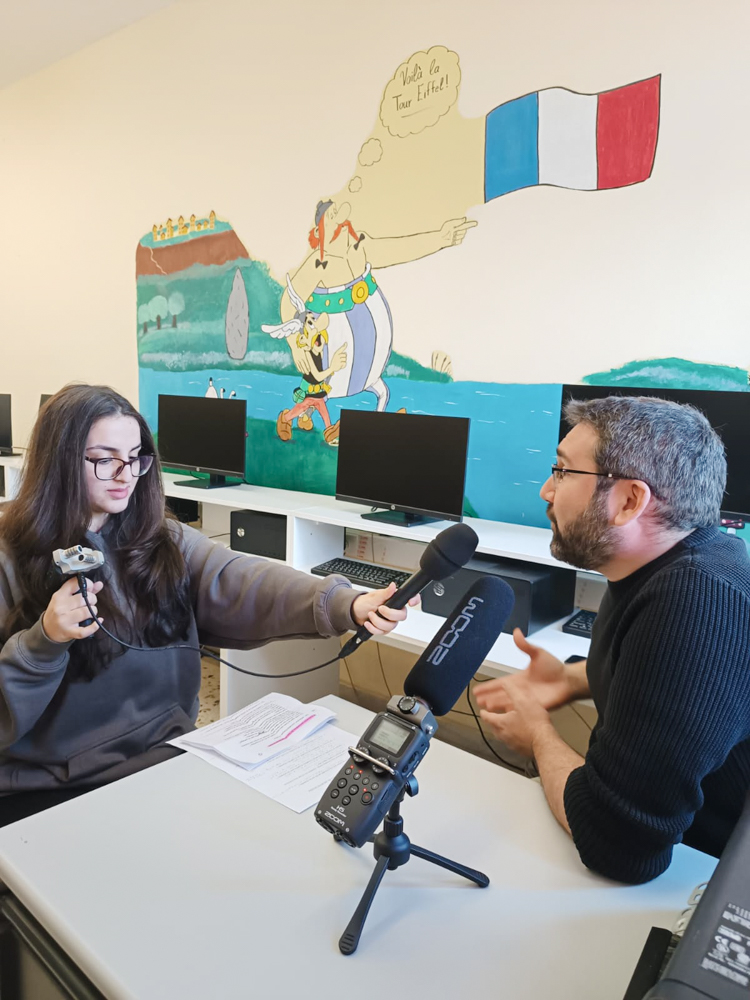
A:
{"x":298,"y":726}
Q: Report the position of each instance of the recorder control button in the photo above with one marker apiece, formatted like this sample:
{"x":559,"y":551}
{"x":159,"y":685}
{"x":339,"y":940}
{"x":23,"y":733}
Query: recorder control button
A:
{"x":407,"y":704}
{"x":366,"y":798}
{"x":342,"y":782}
{"x":353,"y":789}
{"x":374,"y":786}
{"x":345,"y":801}
{"x":335,"y":793}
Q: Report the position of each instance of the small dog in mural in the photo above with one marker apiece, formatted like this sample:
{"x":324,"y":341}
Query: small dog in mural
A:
{"x":310,"y":397}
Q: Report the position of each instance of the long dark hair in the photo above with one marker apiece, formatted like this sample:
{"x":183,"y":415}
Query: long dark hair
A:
{"x":52,"y":510}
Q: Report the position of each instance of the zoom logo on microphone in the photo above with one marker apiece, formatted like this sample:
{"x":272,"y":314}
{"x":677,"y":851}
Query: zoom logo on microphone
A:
{"x":462,"y":621}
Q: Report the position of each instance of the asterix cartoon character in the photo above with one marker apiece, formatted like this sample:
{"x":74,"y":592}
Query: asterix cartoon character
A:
{"x":336,"y":279}
{"x":308,"y":333}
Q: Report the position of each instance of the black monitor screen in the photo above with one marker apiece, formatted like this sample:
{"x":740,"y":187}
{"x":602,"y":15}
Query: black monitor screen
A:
{"x":727,"y":412}
{"x":6,"y":430}
{"x":203,"y":434}
{"x":43,"y":398}
{"x":403,"y":461}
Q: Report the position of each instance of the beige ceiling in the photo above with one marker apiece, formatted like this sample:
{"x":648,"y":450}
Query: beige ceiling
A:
{"x":36,"y":33}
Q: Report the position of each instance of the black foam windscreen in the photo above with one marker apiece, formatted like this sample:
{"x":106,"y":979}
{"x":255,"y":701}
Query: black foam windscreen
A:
{"x":448,"y":551}
{"x":443,"y":671}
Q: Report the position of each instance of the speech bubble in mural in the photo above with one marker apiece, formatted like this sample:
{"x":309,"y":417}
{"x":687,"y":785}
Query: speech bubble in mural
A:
{"x":422,"y":90}
{"x":371,"y":152}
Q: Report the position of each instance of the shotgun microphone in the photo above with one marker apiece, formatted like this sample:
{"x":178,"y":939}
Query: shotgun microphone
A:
{"x":446,"y":553}
{"x":445,"y":668}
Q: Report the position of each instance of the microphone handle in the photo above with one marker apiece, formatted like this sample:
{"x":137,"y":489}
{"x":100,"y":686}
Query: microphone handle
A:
{"x":82,"y":584}
{"x":410,"y":588}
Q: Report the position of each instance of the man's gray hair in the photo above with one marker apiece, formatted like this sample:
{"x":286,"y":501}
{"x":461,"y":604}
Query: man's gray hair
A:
{"x":671,"y":447}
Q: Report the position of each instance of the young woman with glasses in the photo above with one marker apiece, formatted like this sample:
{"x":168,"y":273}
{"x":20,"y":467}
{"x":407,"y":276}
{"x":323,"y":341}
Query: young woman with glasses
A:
{"x":76,"y":708}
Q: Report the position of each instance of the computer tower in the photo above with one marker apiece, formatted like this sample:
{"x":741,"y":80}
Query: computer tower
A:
{"x":258,"y":533}
{"x":184,"y":510}
{"x":543,"y":594}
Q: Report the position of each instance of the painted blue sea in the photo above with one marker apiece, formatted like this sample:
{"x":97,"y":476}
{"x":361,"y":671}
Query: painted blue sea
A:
{"x":514,"y":428}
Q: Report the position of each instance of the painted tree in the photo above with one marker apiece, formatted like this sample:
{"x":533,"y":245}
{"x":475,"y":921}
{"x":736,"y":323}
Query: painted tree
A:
{"x":144,"y":315}
{"x":159,"y":310}
{"x":176,"y":306}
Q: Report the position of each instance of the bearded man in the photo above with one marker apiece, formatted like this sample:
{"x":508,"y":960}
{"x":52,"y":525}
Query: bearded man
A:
{"x":636,"y":494}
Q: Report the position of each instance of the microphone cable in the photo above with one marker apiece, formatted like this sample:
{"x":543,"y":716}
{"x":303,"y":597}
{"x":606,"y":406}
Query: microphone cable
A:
{"x":203,"y":650}
{"x":503,"y":761}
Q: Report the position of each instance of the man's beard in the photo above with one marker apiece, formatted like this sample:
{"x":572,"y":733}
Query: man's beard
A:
{"x":589,"y":541}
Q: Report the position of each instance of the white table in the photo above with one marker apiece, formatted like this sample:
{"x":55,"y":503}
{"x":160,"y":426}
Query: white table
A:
{"x":180,"y":882}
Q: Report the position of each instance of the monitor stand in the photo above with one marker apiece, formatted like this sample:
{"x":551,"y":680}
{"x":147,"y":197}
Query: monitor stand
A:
{"x":9,"y":453}
{"x":207,"y":484}
{"x":401,"y":518}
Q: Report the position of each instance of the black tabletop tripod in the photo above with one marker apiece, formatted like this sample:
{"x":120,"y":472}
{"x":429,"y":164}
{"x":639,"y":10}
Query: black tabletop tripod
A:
{"x":392,"y":848}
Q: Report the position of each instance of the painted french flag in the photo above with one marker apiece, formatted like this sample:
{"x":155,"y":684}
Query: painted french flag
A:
{"x":587,"y":142}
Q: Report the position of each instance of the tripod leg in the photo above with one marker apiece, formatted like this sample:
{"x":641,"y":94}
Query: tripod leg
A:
{"x":350,"y":938}
{"x":453,"y":866}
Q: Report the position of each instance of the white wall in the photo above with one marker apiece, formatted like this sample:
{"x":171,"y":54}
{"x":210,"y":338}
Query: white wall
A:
{"x":258,"y":110}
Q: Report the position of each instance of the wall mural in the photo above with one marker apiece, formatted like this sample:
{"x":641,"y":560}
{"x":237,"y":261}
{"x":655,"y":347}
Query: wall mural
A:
{"x":214,"y":321}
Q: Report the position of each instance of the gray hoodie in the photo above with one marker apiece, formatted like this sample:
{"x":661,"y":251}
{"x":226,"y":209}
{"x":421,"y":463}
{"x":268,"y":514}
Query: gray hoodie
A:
{"x":56,"y":732}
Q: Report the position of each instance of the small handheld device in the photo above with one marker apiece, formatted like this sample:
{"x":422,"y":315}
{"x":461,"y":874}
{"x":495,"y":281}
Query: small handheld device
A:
{"x":76,"y":561}
{"x":378,"y":768}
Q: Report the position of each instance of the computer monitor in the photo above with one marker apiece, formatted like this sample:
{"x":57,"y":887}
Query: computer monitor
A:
{"x":44,"y":397}
{"x":727,"y":412}
{"x":6,"y":426}
{"x":414,"y":465}
{"x":202,"y":434}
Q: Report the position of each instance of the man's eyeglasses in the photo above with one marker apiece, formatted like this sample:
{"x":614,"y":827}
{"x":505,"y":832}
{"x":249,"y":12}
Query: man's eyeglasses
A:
{"x":110,"y":468}
{"x":559,"y":472}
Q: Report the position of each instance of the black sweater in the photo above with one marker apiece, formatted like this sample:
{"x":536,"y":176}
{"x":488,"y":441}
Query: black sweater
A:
{"x":669,"y":672}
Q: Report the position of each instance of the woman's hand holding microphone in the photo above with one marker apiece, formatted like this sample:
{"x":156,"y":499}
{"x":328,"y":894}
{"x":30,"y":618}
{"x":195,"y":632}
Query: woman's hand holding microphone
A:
{"x":67,"y":609}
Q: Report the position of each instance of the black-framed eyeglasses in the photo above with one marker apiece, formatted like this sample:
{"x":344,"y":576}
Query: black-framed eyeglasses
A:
{"x":107,"y":469}
{"x":559,"y":472}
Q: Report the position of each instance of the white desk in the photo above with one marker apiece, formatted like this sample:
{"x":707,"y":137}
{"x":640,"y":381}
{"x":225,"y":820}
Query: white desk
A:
{"x":180,"y":883}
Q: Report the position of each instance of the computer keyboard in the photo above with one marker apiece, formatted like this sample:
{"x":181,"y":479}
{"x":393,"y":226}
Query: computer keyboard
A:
{"x":365,"y":574}
{"x":580,"y":624}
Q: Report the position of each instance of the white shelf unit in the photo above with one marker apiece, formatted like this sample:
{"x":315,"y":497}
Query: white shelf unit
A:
{"x":316,"y":528}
